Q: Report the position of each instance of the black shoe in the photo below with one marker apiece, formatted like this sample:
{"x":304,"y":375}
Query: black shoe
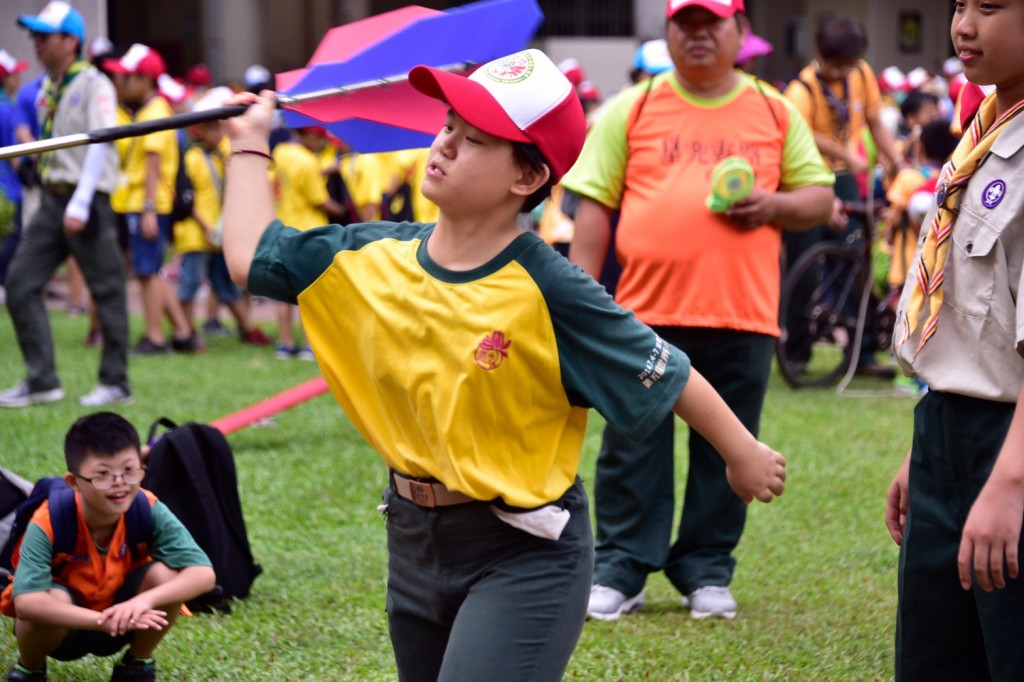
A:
{"x":875,"y":370}
{"x":190,"y":344}
{"x":130,"y":669}
{"x":147,"y":347}
{"x":16,"y":675}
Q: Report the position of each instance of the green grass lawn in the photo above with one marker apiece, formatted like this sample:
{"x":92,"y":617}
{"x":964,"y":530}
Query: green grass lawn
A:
{"x":816,"y":580}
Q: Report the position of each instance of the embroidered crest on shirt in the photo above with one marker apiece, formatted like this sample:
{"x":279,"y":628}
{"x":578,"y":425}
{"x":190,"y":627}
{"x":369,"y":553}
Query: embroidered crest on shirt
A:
{"x":993,"y":194}
{"x":492,"y":351}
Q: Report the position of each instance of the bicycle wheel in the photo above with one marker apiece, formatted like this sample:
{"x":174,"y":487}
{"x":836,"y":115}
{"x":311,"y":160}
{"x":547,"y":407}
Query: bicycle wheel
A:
{"x":821,"y":297}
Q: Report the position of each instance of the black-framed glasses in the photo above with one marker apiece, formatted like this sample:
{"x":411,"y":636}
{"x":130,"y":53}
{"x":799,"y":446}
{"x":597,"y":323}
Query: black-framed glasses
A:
{"x":106,"y":481}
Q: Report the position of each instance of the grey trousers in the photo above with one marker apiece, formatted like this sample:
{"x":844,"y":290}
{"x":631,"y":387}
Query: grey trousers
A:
{"x":44,"y":246}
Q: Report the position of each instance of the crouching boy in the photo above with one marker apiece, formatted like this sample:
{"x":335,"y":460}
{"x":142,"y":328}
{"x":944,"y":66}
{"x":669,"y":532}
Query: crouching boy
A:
{"x":105,"y":595}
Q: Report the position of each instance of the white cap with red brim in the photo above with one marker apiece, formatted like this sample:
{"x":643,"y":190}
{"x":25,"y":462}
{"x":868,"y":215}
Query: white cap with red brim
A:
{"x":523,"y":97}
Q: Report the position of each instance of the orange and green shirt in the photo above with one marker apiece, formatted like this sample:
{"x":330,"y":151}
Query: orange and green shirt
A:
{"x":480,"y":379}
{"x":93,"y":575}
{"x":651,"y":155}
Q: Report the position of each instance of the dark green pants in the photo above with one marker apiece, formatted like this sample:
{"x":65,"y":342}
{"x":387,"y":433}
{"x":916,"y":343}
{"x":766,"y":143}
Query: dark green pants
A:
{"x":472,"y":598}
{"x":634,"y":490}
{"x":942,"y":631}
{"x":44,"y":246}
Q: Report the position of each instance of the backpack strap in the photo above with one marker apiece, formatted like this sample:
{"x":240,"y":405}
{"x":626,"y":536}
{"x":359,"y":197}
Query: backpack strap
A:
{"x":138,"y":521}
{"x":63,"y":519}
{"x":162,"y":421}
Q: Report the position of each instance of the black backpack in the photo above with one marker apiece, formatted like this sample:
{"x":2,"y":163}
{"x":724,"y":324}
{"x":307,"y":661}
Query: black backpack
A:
{"x":64,"y":521}
{"x":191,"y":469}
{"x":184,"y":190}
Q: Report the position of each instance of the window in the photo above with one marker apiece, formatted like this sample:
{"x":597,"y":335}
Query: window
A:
{"x":586,"y":18}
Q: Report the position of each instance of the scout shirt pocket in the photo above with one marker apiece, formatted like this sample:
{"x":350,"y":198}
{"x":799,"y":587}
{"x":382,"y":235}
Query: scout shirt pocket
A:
{"x":970,"y":267}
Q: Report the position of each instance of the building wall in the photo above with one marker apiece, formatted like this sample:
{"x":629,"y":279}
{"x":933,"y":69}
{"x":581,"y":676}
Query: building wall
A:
{"x":882,"y":21}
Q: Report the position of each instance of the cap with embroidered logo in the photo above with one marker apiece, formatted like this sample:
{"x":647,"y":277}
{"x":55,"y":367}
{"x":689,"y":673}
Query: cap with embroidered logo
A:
{"x":141,"y":60}
{"x":523,"y":97}
{"x":9,"y":65}
{"x":56,"y":17}
{"x":723,"y":8}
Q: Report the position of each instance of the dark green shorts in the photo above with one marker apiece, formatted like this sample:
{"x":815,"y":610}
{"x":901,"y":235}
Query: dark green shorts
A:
{"x":79,"y":643}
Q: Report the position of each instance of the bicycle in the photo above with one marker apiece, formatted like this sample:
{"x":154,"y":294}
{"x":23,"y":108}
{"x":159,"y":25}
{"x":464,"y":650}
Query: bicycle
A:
{"x":828,"y":310}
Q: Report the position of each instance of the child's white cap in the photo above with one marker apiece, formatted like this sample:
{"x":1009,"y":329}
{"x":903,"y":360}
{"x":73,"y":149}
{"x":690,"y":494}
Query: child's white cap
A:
{"x":523,"y":97}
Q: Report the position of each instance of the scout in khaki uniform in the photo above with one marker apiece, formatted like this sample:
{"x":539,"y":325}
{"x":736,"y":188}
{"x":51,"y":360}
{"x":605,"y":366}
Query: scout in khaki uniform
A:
{"x":956,"y":505}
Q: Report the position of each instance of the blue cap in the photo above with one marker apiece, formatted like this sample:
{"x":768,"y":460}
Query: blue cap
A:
{"x":56,"y":17}
{"x":653,"y":57}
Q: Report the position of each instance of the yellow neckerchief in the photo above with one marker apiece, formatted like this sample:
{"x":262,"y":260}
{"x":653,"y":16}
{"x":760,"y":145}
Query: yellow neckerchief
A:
{"x":927,"y":277}
{"x":53,"y":91}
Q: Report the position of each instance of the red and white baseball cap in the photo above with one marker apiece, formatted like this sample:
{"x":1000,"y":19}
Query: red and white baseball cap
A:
{"x":9,"y":65}
{"x":723,"y":8}
{"x":522,"y":97}
{"x":172,"y":89}
{"x":588,"y":92}
{"x":892,"y":79}
{"x":139,"y":59}
{"x":573,"y":70}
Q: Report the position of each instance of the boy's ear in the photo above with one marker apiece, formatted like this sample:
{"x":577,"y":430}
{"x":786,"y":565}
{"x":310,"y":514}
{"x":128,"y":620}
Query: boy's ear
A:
{"x":71,"y":480}
{"x":531,"y":178}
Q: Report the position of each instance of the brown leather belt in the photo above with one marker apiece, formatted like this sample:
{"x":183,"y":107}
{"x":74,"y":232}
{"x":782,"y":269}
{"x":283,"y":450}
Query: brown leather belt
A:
{"x":428,"y":494}
{"x":61,"y":189}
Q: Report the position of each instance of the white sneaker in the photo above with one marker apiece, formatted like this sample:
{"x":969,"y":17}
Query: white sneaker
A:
{"x":711,"y":600}
{"x":607,"y":603}
{"x":106,"y":395}
{"x":21,"y":396}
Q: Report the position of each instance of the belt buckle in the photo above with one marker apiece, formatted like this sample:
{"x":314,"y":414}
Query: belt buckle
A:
{"x":422,"y":494}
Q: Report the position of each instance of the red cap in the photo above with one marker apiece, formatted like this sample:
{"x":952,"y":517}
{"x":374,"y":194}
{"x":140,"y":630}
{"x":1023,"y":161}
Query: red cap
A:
{"x":522,"y":98}
{"x":199,"y":76}
{"x":723,"y":8}
{"x":319,"y":131}
{"x":10,"y":65}
{"x":139,"y":59}
{"x":174,"y":90}
{"x":572,"y":70}
{"x":587,"y":91}
{"x":892,"y":79}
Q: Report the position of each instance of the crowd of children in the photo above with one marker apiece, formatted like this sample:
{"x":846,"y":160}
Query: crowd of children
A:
{"x":176,"y":258}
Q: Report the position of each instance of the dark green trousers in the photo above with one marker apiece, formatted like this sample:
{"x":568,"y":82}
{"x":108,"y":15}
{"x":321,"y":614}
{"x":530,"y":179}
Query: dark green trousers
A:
{"x":44,"y":246}
{"x":634,"y":489}
{"x":472,"y":598}
{"x":942,"y":631}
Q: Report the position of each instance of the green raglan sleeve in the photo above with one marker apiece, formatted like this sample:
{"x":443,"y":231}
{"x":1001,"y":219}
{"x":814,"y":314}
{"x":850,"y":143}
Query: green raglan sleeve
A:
{"x":609,"y":360}
{"x":600,"y":171}
{"x":287,"y":260}
{"x":172,"y":543}
{"x":32,"y":574}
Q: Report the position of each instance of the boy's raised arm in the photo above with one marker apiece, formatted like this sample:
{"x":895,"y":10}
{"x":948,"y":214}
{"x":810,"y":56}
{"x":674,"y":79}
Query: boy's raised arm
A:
{"x":248,"y":198}
{"x":753,"y":469}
